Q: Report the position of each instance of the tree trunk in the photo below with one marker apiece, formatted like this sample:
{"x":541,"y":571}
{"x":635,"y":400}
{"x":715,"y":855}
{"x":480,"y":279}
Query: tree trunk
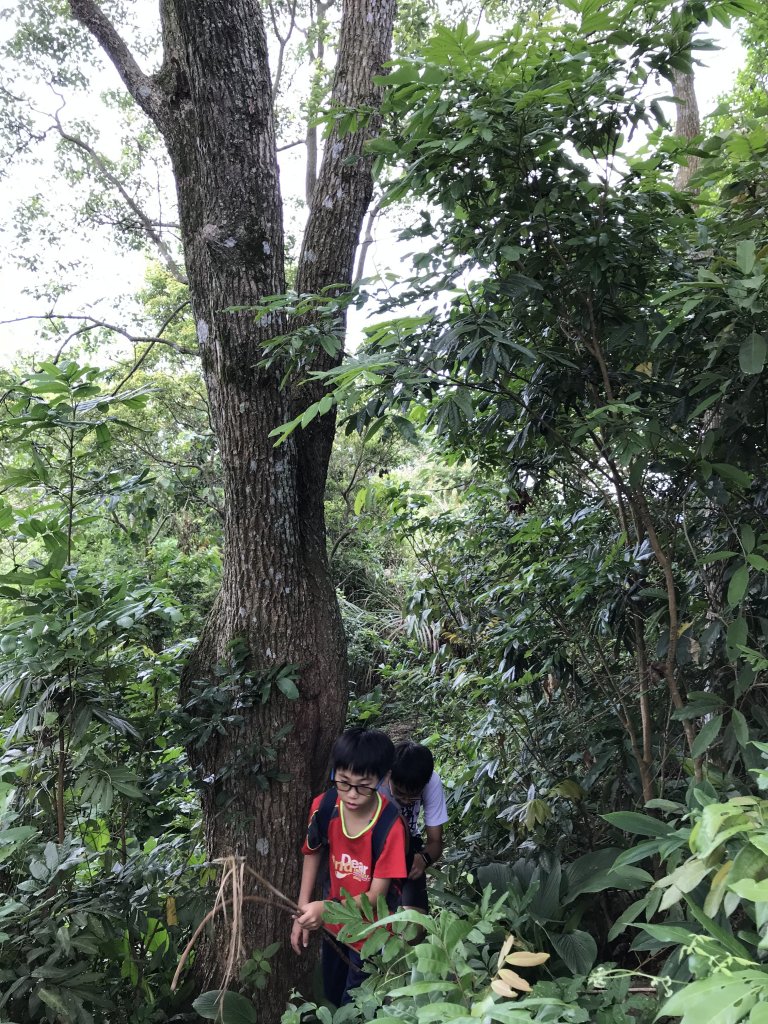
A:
{"x":687,"y":122}
{"x":212,"y":102}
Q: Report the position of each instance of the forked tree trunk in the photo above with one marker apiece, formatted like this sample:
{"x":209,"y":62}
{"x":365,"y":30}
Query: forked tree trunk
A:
{"x":212,"y":103}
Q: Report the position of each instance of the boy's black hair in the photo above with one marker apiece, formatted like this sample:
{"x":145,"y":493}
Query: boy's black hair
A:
{"x":363,"y":751}
{"x":412,"y":766}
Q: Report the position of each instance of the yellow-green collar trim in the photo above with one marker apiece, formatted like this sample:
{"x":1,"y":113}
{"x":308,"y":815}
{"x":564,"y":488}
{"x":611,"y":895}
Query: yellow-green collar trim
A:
{"x":370,"y":824}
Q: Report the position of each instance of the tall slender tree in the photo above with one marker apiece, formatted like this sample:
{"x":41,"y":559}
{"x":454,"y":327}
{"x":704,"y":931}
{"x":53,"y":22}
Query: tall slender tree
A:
{"x":211,"y":101}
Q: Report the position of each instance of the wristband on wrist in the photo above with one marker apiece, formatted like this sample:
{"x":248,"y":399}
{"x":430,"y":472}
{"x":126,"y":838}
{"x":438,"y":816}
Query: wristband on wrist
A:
{"x":428,"y":860}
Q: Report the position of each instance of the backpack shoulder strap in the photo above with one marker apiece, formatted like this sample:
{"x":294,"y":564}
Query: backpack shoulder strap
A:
{"x":317,"y":832}
{"x":381,"y":830}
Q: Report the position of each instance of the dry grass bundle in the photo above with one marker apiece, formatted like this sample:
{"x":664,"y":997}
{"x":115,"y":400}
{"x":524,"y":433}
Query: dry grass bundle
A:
{"x":230,"y":894}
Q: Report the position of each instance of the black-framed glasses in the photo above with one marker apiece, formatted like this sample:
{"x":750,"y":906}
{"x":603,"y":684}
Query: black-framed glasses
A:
{"x":346,"y":787}
{"x":405,"y":799}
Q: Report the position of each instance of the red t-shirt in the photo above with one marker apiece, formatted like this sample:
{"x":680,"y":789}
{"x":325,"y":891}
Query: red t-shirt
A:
{"x":349,"y":856}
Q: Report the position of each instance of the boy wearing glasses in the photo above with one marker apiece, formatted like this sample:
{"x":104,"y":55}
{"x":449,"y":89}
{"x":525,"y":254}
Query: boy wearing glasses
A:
{"x":415,"y":787}
{"x":360,"y":758}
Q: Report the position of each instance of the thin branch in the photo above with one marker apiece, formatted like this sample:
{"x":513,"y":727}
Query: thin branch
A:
{"x":165,"y":324}
{"x":366,"y":243}
{"x":144,"y":89}
{"x":146,"y":223}
{"x":283,"y":41}
{"x":91,"y":323}
{"x":339,"y":541}
{"x":291,"y":145}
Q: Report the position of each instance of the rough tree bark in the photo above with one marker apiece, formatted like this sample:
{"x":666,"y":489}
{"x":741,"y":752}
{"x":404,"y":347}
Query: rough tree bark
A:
{"x":687,"y":122}
{"x":212,"y":103}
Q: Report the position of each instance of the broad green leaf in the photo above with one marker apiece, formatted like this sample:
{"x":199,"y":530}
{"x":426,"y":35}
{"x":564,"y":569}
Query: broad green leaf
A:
{"x":749,"y":889}
{"x":712,"y":928}
{"x":287,"y":687}
{"x":740,"y":728}
{"x":713,"y":999}
{"x":638,"y":824}
{"x":669,"y":934}
{"x":738,"y":586}
{"x":745,"y":255}
{"x":577,"y":950}
{"x":632,"y":912}
{"x":752,"y":354}
{"x":595,"y":872}
{"x":54,"y":999}
{"x":420,"y":988}
{"x":231,"y":1008}
{"x":733,"y":473}
{"x":736,"y":637}
{"x":707,"y":735}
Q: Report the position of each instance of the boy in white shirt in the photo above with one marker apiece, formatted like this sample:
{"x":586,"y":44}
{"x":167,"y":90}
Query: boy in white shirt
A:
{"x":414,"y":785}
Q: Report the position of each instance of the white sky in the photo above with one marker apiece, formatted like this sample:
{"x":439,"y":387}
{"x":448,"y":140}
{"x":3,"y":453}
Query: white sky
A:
{"x":109,"y":278}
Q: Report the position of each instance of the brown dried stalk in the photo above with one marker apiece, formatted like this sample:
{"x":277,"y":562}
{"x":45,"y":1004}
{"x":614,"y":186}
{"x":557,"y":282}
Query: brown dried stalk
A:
{"x":234,"y":869}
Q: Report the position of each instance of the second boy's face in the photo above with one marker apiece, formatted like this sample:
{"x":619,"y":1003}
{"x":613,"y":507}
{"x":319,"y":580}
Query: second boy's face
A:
{"x":360,"y":801}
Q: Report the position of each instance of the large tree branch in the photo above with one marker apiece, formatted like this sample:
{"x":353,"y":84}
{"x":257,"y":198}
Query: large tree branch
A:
{"x":340,"y":200}
{"x":145,"y":90}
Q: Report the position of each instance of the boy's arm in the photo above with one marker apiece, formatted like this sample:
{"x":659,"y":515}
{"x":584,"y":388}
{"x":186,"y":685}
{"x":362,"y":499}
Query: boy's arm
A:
{"x":309,"y":870}
{"x":433,"y":848}
{"x":311,"y":916}
{"x":379,"y":887}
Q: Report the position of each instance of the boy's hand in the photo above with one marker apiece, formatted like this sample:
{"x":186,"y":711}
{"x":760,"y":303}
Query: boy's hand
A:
{"x":311,"y":917}
{"x":418,"y":867}
{"x":299,"y":937}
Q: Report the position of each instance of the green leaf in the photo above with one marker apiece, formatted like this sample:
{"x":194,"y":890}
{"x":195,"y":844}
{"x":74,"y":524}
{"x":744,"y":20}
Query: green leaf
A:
{"x":712,"y":928}
{"x":360,"y":500}
{"x":287,"y":687}
{"x":736,"y":637}
{"x":745,"y":255}
{"x":54,"y":999}
{"x":421,"y":988}
{"x":714,"y":999}
{"x":578,"y":951}
{"x":231,"y":1009}
{"x":749,"y":889}
{"x":759,"y":1014}
{"x":594,"y":872}
{"x":638,"y":824}
{"x":740,"y":728}
{"x":752,"y":353}
{"x":733,"y":473}
{"x":668,"y":934}
{"x":738,"y":586}
{"x":632,"y":912}
{"x":707,"y":735}
{"x":747,"y":538}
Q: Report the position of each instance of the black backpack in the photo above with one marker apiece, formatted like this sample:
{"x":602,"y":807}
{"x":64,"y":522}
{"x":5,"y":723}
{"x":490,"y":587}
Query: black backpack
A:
{"x":317,"y":835}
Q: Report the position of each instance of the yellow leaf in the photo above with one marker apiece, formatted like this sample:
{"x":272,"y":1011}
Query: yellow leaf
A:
{"x":170,"y":911}
{"x":501,"y":988}
{"x":646,"y":368}
{"x":508,"y":944}
{"x":514,"y":980}
{"x":526,"y":959}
